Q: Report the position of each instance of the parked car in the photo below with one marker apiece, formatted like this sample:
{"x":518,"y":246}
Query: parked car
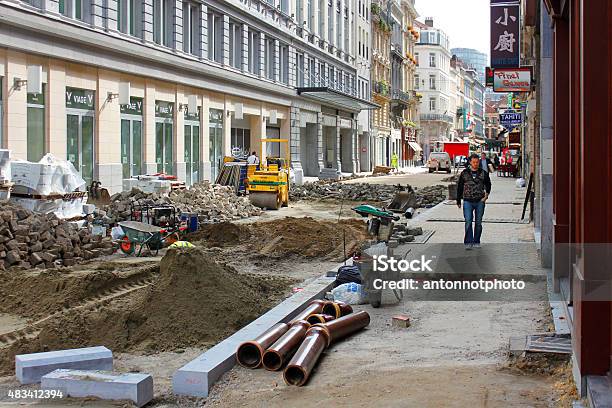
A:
{"x":439,"y":161}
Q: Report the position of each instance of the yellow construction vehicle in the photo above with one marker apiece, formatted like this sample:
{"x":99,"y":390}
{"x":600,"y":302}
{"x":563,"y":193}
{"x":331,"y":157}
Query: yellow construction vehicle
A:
{"x":269,"y":186}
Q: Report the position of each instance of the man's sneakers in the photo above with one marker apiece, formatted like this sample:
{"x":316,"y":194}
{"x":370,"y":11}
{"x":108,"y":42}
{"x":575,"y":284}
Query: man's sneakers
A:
{"x":477,"y":246}
{"x":469,"y":247}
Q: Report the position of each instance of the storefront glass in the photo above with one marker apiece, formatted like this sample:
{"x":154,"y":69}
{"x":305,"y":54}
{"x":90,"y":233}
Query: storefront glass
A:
{"x":241,"y":142}
{"x":2,"y":144}
{"x":80,"y":104}
{"x":164,"y":124}
{"x":192,"y":147}
{"x":131,"y":137}
{"x":215,"y":135}
{"x":36,"y":126}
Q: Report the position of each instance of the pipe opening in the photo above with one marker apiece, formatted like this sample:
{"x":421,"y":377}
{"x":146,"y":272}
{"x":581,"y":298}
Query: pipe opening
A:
{"x":314,"y":319}
{"x":295,"y":375}
{"x":272,"y":360}
{"x":249,"y":355}
{"x":329,"y":309}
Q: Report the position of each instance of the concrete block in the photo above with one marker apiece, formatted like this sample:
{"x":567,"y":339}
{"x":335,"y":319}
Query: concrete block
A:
{"x":198,"y":376}
{"x":102,"y":384}
{"x":29,"y":368}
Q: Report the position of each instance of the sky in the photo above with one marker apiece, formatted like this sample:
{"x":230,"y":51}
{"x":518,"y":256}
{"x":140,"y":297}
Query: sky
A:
{"x":466,"y":22}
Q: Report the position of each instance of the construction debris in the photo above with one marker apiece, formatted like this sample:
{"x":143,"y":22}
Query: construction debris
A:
{"x":30,"y":240}
{"x":212,"y":203}
{"x":319,"y":190}
{"x":400,"y":321}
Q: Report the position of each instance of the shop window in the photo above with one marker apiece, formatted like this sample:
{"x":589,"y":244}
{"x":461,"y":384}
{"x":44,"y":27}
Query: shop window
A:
{"x":241,"y":142}
{"x":215,"y":36}
{"x":254,"y":51}
{"x":192,"y":13}
{"x":284,"y":64}
{"x":215,"y":141}
{"x":235,"y":44}
{"x":129,"y":17}
{"x":36,"y":125}
{"x":163,"y":14}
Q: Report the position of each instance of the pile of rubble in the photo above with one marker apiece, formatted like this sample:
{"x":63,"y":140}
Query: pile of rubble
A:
{"x":211,"y":202}
{"x":30,"y":240}
{"x":382,"y":193}
{"x":431,"y":195}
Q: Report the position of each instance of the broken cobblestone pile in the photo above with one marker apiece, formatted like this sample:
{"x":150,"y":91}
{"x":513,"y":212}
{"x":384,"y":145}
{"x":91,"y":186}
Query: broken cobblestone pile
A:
{"x":211,"y":202}
{"x":381,"y":193}
{"x":30,"y":240}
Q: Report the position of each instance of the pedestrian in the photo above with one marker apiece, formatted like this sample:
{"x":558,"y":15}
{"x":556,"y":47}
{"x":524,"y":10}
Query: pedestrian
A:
{"x":495,"y":161}
{"x":395,"y":162}
{"x":474,"y":187}
{"x":485,"y":162}
{"x":253,"y":159}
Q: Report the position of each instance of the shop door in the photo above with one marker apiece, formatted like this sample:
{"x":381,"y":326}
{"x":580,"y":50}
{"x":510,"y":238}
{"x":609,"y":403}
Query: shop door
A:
{"x":192,"y":152}
{"x":163,"y":147}
{"x":215,"y":149}
{"x":80,"y":138}
{"x":131,"y":146}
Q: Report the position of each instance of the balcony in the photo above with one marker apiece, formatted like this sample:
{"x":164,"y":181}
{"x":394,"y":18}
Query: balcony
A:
{"x":397,"y":95}
{"x":436,"y":117}
{"x":381,"y":88}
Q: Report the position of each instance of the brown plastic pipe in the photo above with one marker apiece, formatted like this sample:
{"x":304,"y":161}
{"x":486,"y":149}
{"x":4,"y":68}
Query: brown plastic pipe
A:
{"x":316,"y":306}
{"x":299,"y":368}
{"x":318,"y":337}
{"x":249,"y":353}
{"x":319,"y":318}
{"x":276,"y":355}
{"x":337,"y":309}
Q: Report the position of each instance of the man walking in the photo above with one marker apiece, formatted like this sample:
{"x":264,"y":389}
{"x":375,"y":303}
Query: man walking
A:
{"x":485,"y":162}
{"x":473,"y":187}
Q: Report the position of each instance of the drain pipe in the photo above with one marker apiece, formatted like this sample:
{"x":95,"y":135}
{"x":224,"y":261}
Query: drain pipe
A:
{"x":317,"y":339}
{"x":337,"y":309}
{"x":319,"y":318}
{"x":316,"y":306}
{"x":276,"y":355}
{"x":249,"y":353}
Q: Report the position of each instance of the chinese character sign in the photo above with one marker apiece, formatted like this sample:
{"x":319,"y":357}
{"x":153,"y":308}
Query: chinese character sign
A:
{"x":505,"y":36}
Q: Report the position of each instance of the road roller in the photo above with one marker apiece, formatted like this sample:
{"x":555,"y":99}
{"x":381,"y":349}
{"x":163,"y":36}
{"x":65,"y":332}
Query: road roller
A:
{"x":269,"y":186}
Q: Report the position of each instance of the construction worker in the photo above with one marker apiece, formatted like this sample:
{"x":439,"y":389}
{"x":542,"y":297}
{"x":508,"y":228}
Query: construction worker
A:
{"x":253,"y":159}
{"x":395,"y":161}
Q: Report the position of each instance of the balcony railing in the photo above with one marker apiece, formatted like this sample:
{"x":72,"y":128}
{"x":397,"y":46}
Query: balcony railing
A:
{"x":381,"y":88}
{"x":399,"y":95}
{"x":436,"y":117}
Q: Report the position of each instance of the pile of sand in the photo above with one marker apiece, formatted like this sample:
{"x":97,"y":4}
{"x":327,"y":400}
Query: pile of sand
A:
{"x":195,"y":301}
{"x":287,"y":238}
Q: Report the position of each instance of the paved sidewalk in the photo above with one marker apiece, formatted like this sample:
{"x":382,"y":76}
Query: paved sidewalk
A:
{"x":453,"y":353}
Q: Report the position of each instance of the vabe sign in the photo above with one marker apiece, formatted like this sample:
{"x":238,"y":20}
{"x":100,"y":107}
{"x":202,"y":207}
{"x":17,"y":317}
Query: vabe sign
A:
{"x":510,"y":119}
{"x":512,"y":80}
{"x":80,"y":98}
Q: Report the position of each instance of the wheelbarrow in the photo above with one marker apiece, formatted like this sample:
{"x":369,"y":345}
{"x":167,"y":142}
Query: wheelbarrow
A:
{"x":139,"y":235}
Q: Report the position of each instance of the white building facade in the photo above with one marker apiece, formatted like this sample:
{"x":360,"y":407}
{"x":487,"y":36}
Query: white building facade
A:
{"x":433,"y":82}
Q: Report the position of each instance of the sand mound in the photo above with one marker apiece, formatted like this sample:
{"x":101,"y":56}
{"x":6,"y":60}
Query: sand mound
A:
{"x":198,"y":301}
{"x":287,"y":237}
{"x":194,"y":301}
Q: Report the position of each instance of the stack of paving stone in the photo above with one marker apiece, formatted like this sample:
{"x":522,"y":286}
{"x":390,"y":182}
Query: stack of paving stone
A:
{"x":29,"y":240}
{"x":403,"y":234}
{"x":431,"y":195}
{"x":211,"y":202}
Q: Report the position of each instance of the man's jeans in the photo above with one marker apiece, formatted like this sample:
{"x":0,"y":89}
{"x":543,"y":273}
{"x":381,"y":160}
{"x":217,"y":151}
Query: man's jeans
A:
{"x":469,"y":208}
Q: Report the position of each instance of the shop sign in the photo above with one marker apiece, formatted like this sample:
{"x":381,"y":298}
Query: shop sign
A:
{"x":511,"y":119}
{"x":164,"y":109}
{"x":195,"y":116}
{"x":80,"y":98}
{"x":512,"y":80}
{"x":134,"y":108}
{"x":505,"y":35}
{"x":37,"y":98}
{"x":215,"y":115}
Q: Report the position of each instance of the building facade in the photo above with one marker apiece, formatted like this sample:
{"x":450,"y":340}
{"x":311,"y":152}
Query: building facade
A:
{"x":433,"y":83}
{"x":249,"y":70}
{"x":473,"y":59}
